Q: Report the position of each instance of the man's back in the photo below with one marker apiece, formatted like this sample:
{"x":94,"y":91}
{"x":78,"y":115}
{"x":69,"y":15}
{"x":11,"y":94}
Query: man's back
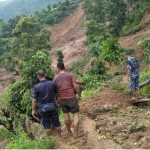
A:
{"x":64,"y":82}
{"x":44,"y":92}
{"x":133,"y":65}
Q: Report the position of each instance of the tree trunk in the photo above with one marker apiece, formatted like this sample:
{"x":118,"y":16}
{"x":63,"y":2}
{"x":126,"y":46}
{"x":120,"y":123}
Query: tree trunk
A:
{"x":145,"y":84}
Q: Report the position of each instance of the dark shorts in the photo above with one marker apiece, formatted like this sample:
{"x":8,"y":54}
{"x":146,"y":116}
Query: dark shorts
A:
{"x":134,"y":82}
{"x":50,"y":118}
{"x":69,"y":105}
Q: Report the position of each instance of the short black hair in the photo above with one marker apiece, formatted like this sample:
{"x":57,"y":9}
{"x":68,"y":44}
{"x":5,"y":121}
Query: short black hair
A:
{"x":41,"y":73}
{"x":61,"y":66}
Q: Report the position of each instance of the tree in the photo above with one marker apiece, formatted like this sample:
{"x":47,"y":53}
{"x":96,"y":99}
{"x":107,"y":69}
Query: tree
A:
{"x":116,"y":14}
{"x":60,"y":56}
{"x":28,"y":39}
{"x":104,"y":18}
{"x":28,"y":54}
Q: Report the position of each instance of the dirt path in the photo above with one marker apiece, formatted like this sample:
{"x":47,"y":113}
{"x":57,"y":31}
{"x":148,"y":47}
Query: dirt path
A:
{"x":89,"y":126}
{"x":94,"y":139}
{"x":88,"y":139}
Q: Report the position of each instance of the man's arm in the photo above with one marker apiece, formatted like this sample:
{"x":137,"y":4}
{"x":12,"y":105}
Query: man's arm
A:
{"x":129,"y":69}
{"x":128,"y":73}
{"x":34,"y":104}
{"x":76,"y":87}
{"x":56,"y":95}
{"x":34,"y":101}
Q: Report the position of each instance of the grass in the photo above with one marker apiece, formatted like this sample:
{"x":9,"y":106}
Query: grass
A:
{"x":5,"y":134}
{"x":89,"y":93}
{"x":117,"y":139}
{"x":22,"y":141}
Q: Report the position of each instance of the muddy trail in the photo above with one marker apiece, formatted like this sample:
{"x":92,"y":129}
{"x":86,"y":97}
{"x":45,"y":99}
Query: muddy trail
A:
{"x":113,"y":126}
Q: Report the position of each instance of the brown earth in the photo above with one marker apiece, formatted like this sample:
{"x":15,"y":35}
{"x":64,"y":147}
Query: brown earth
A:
{"x":105,"y":99}
{"x":112,"y":124}
{"x":141,"y":32}
{"x":69,"y":37}
{"x":5,"y":79}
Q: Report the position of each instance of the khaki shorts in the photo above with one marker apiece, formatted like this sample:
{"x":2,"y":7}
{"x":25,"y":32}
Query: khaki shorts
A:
{"x":69,"y":105}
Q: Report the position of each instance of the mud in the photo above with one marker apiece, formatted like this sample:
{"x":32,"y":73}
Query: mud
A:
{"x":104,"y":101}
{"x":69,"y":37}
{"x":141,"y":32}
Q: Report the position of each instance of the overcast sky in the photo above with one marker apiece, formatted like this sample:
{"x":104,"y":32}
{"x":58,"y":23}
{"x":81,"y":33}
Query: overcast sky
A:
{"x":3,"y":0}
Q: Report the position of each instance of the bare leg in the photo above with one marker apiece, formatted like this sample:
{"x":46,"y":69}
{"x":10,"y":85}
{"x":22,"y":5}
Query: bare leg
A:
{"x":67,"y":122}
{"x":133,"y":95}
{"x":58,"y":130}
{"x":138,"y":94}
{"x":49,"y":132}
{"x":76,"y":123}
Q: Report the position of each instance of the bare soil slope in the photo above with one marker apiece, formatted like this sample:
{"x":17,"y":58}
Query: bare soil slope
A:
{"x":69,"y":36}
{"x":112,"y":123}
{"x":5,"y":78}
{"x":141,"y":32}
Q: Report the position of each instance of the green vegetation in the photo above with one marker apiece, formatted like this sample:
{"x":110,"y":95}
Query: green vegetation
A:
{"x":110,"y":51}
{"x":144,"y":77}
{"x":22,"y":141}
{"x":114,"y":84}
{"x":13,"y":8}
{"x":104,"y":18}
{"x":145,"y":45}
{"x":56,"y":12}
{"x":5,"y":133}
{"x":24,"y":49}
{"x":137,"y":126}
{"x":89,"y":93}
{"x":105,"y":22}
{"x":136,"y":10}
{"x":47,"y":17}
{"x":60,"y":56}
{"x":117,"y":139}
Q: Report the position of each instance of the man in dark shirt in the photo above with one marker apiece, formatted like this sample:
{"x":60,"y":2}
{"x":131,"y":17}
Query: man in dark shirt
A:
{"x":44,"y":97}
{"x":67,"y":88}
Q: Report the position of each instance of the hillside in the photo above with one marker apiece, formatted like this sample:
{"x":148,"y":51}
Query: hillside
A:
{"x":109,"y":118}
{"x":141,"y":32}
{"x":69,"y":37}
{"x":12,"y":8}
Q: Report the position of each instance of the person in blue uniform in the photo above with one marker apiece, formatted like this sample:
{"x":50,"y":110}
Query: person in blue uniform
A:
{"x":133,"y":74}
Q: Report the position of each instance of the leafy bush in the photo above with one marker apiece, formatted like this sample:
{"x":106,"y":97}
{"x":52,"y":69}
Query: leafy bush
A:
{"x":115,"y":85}
{"x":20,"y":92}
{"x":22,"y":141}
{"x":89,"y":93}
{"x":117,"y":139}
{"x":134,"y":18}
{"x":92,"y":81}
{"x":78,"y":67}
{"x":56,"y":12}
{"x":145,"y":44}
{"x":146,"y":90}
{"x":110,"y":51}
{"x":104,"y":18}
{"x":5,"y":134}
{"x":60,"y":56}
